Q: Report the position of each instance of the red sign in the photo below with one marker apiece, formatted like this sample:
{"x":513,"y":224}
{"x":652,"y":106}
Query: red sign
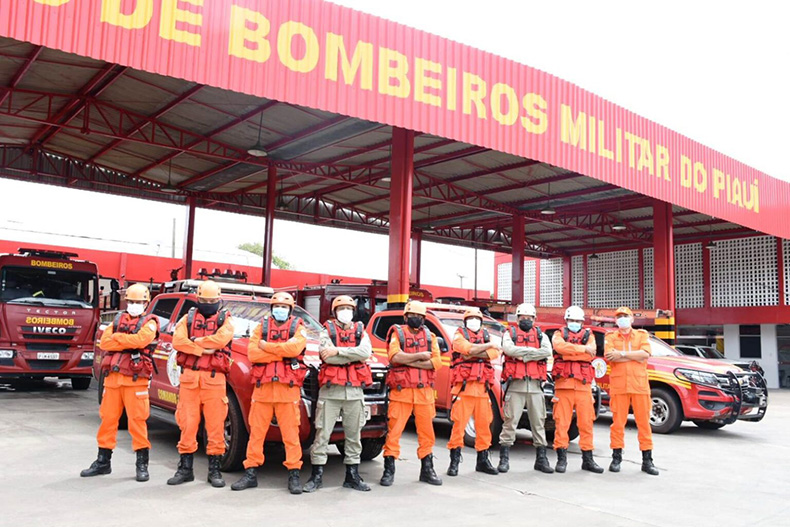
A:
{"x":324,"y":56}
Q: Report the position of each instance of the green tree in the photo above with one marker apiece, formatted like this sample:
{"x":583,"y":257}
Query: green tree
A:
{"x":257,"y":248}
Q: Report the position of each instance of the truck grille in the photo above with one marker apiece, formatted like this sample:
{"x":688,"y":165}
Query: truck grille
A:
{"x":46,"y":364}
{"x":47,"y":347}
{"x":377,"y":390}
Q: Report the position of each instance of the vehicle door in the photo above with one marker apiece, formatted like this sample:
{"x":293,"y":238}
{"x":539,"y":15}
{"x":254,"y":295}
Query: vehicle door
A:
{"x":162,"y":392}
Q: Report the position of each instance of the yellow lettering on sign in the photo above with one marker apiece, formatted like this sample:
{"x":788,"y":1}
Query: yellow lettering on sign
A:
{"x":53,"y":321}
{"x":499,"y":90}
{"x":53,"y":3}
{"x":718,"y":182}
{"x":361,"y":61}
{"x":700,"y":177}
{"x":285,"y":37}
{"x":246,"y":43}
{"x":685,"y":172}
{"x":473,"y":91}
{"x":138,"y":18}
{"x":645,"y":156}
{"x":422,"y":81}
{"x":602,"y":150}
{"x":393,"y":66}
{"x":51,"y":265}
{"x":573,"y":132}
{"x":536,"y":121}
{"x":662,"y":162}
{"x":172,"y":14}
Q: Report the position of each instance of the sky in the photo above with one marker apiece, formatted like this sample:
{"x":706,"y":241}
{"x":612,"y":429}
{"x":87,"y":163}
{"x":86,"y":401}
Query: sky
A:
{"x":713,"y":71}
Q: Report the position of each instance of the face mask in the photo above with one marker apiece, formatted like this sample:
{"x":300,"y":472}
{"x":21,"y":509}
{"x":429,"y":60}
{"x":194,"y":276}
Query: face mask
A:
{"x":624,"y":322}
{"x":280,"y":314}
{"x":473,"y":324}
{"x":525,"y":325}
{"x":345,"y":316}
{"x":135,"y":310}
{"x":575,"y":327}
{"x":414,"y":322}
{"x":208,"y":310}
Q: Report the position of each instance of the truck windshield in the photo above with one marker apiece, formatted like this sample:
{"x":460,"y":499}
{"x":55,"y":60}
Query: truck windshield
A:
{"x":47,"y":287}
{"x":495,"y":329}
{"x":659,"y":348}
{"x":247,"y":315}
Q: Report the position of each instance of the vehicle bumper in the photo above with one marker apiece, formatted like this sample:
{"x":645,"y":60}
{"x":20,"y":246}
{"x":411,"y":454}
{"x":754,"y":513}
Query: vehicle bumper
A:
{"x":744,"y":398}
{"x":24,"y":363}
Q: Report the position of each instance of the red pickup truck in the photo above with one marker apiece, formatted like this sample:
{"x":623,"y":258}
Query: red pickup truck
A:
{"x":247,"y":304}
{"x":443,"y":320}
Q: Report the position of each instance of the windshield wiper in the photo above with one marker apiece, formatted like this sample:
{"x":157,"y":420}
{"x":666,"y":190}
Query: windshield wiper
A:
{"x":28,"y":300}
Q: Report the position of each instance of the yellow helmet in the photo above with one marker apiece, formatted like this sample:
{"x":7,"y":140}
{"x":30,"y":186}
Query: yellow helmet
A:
{"x":473,"y":312}
{"x":138,"y":293}
{"x":208,"y":289}
{"x":416,"y":307}
{"x":283,"y":298}
{"x":343,"y":300}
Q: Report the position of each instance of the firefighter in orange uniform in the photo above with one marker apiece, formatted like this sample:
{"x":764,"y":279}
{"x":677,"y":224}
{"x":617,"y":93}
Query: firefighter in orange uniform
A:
{"x":202,"y":339}
{"x":276,"y":350}
{"x":627,"y":351}
{"x":472,"y":377}
{"x":414,"y":358}
{"x":127,"y":367}
{"x":574,"y":350}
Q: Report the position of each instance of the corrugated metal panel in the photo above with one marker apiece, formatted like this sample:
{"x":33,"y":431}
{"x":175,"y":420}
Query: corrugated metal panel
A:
{"x":297,"y":73}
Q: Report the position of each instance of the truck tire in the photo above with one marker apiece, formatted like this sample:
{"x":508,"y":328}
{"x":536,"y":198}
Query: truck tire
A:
{"x":708,"y":425}
{"x":236,"y":437}
{"x":371,"y":448}
{"x":496,"y":427}
{"x":80,"y":383}
{"x":666,"y":415}
{"x":123,"y":423}
{"x":573,"y":431}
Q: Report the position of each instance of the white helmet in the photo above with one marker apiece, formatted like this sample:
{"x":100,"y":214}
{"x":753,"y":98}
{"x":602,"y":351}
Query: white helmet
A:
{"x":574,"y":313}
{"x":526,"y":309}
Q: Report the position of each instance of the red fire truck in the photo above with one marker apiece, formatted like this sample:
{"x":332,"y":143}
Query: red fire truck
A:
{"x":48,"y":316}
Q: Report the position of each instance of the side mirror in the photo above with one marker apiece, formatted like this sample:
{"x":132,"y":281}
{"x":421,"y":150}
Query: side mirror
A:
{"x":442,"y":344}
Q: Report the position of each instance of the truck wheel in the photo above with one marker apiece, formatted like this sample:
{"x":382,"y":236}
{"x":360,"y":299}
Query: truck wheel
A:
{"x":236,"y":437}
{"x":80,"y":383}
{"x":496,"y":428}
{"x":708,"y":425}
{"x":371,"y":448}
{"x":551,"y":427}
{"x":667,"y":414}
{"x":123,"y":423}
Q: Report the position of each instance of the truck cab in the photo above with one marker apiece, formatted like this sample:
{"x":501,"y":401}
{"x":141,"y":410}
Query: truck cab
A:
{"x":48,"y":315}
{"x":247,"y":304}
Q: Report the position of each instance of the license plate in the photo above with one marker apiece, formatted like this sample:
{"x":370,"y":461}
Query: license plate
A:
{"x":48,"y":356}
{"x":367,"y":414}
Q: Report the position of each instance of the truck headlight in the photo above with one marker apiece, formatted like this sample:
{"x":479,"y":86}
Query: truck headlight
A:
{"x":697,"y":377}
{"x":88,"y":355}
{"x":6,"y":354}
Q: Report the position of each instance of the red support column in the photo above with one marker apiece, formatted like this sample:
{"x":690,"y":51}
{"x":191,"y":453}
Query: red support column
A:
{"x":585,"y":281}
{"x":517,"y":268}
{"x":537,"y":282}
{"x":664,"y":266}
{"x":189,"y":246}
{"x":780,"y":269}
{"x":402,"y":174}
{"x":271,"y":200}
{"x":416,"y":257}
{"x":567,"y":281}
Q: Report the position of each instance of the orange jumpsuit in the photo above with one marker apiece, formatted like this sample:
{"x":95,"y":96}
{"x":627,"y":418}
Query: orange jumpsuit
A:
{"x":275,"y":399}
{"x":407,"y":401}
{"x":629,"y":387}
{"x":199,"y":391}
{"x":121,"y":391}
{"x":570,"y":393}
{"x":473,"y":400}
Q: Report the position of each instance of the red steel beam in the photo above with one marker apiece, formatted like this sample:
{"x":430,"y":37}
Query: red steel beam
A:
{"x":400,"y":216}
{"x":20,"y":73}
{"x":268,"y":237}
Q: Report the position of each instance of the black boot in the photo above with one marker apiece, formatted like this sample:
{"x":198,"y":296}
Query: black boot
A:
{"x":588,"y":463}
{"x":100,"y":466}
{"x":141,"y":465}
{"x":214,"y":474}
{"x":249,"y":479}
{"x":617,"y":458}
{"x":184,"y":472}
{"x":562,"y":460}
{"x":427,"y":473}
{"x":354,"y":480}
{"x":542,"y":462}
{"x":388,"y":477}
{"x":647,"y":463}
{"x":455,"y":460}
{"x":315,"y":482}
{"x":484,"y":464}
{"x":504,"y":459}
{"x":294,"y":485}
